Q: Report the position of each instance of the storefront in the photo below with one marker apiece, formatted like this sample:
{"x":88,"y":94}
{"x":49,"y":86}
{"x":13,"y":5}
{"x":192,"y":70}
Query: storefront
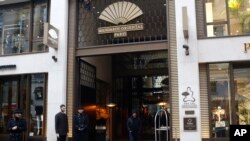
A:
{"x":29,"y":70}
{"x":19,"y":91}
{"x":228,"y":96}
{"x":223,"y":49}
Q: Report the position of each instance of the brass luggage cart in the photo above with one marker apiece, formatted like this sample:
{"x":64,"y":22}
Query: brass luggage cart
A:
{"x":161,"y":126}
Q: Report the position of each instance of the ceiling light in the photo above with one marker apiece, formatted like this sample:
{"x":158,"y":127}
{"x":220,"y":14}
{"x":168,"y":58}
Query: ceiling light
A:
{"x":111,"y":105}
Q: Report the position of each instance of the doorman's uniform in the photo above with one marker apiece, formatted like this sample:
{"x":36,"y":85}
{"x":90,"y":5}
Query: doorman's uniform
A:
{"x":16,"y":134}
{"x":80,"y":126}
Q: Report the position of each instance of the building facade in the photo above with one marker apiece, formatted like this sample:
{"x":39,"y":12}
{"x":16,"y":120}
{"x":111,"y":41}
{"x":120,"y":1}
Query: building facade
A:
{"x":207,"y":61}
{"x":217,"y":67}
{"x":190,"y":58}
{"x":30,"y":78}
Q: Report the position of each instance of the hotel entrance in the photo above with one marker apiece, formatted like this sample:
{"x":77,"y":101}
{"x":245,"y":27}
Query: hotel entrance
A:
{"x":122,"y":54}
{"x":138,"y":82}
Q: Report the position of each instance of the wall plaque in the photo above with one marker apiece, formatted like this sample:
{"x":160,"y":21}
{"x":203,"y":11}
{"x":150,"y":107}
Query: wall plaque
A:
{"x":190,"y":123}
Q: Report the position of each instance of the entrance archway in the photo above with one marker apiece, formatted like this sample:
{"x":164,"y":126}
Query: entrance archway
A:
{"x":133,"y":81}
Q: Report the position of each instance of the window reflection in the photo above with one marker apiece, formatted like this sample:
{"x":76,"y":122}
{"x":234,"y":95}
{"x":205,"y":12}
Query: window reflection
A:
{"x":216,"y":18}
{"x":239,"y":14}
{"x":15,"y":27}
{"x":40,"y":17}
{"x":15,"y":32}
{"x":8,"y":102}
{"x":37,"y":104}
{"x":230,"y":17}
{"x":219,"y":99}
{"x":242,"y":85}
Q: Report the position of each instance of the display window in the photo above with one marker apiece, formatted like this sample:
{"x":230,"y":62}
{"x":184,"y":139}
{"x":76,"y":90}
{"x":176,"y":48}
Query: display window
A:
{"x":229,"y":97}
{"x":27,"y":92}
{"x":21,"y":27}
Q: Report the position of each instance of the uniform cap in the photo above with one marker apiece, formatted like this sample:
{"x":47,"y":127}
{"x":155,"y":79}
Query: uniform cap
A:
{"x":80,"y":107}
{"x":134,"y":111}
{"x":18,"y":111}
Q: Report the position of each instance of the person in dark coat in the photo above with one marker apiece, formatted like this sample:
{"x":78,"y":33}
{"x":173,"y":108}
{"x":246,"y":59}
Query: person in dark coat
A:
{"x":80,"y":125}
{"x":134,"y":127}
{"x":61,"y":124}
{"x":17,"y":126}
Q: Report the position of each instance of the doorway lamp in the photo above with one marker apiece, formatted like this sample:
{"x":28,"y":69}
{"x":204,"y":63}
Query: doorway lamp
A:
{"x":110,"y":106}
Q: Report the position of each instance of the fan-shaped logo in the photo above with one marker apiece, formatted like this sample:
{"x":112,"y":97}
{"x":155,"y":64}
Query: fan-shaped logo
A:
{"x":120,"y":13}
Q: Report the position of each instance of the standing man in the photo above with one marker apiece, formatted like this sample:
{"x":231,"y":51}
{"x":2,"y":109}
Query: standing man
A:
{"x":61,"y":124}
{"x":134,"y":126}
{"x":80,"y":125}
{"x":17,"y":126}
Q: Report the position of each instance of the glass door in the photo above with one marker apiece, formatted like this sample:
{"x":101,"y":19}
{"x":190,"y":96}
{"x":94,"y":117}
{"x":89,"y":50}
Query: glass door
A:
{"x":242,"y":95}
{"x":9,"y":89}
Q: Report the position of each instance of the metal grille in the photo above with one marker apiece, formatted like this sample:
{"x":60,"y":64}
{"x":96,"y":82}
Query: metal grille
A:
{"x":87,"y":74}
{"x":153,"y":18}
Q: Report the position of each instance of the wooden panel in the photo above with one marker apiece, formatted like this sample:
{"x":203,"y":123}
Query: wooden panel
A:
{"x":173,"y":71}
{"x":205,"y":133}
{"x":71,"y":63}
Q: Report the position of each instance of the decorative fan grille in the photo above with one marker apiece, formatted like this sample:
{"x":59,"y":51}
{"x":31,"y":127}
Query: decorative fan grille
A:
{"x":152,"y":15}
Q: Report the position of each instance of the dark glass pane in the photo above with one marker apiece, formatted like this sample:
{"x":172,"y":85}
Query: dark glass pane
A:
{"x":220,"y":100}
{"x":37,"y":104}
{"x":8,"y":102}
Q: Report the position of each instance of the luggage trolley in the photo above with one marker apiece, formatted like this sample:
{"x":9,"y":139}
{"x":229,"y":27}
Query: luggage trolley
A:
{"x":161,"y":128}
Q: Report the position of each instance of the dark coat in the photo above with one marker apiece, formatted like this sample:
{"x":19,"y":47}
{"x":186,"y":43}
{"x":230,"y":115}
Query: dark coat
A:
{"x":80,"y":126}
{"x":134,"y":127}
{"x":16,"y":135}
{"x":134,"y":124}
{"x":61,"y":123}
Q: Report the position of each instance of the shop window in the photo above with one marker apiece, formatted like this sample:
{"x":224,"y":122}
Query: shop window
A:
{"x":229,"y":104}
{"x":232,"y":16}
{"x":16,"y":27}
{"x":220,"y":98}
{"x":37,"y":104}
{"x":242,"y":95}
{"x":19,"y":92}
{"x":13,"y":94}
{"x":8,"y":101}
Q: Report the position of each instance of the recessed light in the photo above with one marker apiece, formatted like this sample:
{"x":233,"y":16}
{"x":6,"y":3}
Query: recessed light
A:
{"x":2,"y":0}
